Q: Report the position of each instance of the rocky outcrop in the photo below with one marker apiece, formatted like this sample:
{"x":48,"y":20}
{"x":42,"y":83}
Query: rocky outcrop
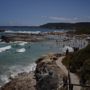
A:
{"x":22,"y":37}
{"x":47,"y":76}
{"x":24,"y":81}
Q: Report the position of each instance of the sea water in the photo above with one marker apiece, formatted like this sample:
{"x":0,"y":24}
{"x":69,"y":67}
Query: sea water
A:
{"x":17,"y":57}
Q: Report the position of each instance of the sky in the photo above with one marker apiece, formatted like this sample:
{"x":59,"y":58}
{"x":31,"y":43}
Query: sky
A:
{"x":37,"y":12}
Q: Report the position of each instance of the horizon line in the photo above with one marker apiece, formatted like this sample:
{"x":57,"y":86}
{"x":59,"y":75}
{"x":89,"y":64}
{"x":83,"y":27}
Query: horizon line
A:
{"x":41,"y":24}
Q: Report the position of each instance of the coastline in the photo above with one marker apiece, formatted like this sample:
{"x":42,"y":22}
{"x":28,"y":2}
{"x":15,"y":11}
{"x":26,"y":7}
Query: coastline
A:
{"x":31,"y":78}
{"x":49,"y":72}
{"x":50,"y":62}
{"x":16,"y":71}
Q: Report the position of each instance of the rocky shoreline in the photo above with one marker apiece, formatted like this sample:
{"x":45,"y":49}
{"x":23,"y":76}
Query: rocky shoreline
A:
{"x":47,"y":76}
{"x":22,"y":37}
{"x":28,"y":37}
{"x":24,"y":81}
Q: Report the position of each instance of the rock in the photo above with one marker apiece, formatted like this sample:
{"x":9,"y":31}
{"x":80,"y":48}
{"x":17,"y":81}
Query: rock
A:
{"x":48,"y":75}
{"x":22,"y":37}
{"x":24,"y":81}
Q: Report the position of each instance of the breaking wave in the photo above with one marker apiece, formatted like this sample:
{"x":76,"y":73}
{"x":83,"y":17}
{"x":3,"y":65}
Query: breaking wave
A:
{"x":21,"y":50}
{"x":31,"y":32}
{"x":14,"y":71}
{"x":22,"y":43}
{"x":5,"y":48}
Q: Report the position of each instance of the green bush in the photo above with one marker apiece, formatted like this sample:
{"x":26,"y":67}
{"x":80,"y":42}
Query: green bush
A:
{"x":80,"y":63}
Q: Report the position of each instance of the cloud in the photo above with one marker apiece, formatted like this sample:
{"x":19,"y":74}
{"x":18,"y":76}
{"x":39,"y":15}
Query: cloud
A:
{"x":57,"y":18}
{"x":65,"y":19}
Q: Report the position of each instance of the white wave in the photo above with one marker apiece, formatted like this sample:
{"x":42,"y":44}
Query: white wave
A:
{"x":31,"y":32}
{"x":16,"y":42}
{"x":4,"y":78}
{"x":30,"y":67}
{"x":15,"y":70}
{"x":59,"y":31}
{"x":9,"y":31}
{"x":5,"y":48}
{"x":21,"y":50}
{"x":22,"y":43}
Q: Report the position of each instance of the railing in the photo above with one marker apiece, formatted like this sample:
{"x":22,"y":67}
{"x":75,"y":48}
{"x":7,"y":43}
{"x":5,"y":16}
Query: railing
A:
{"x":70,"y":85}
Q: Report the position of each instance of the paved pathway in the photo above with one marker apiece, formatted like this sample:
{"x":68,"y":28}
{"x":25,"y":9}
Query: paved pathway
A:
{"x":74,"y":77}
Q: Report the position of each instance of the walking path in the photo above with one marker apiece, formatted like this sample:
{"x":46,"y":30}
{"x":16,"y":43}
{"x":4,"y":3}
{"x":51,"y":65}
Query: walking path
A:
{"x":74,"y":77}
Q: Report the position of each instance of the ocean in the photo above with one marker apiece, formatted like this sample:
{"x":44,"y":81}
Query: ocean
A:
{"x":18,"y":57}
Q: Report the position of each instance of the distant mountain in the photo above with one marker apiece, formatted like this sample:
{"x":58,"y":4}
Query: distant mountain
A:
{"x":79,"y":28}
{"x":56,"y":25}
{"x":66,"y":25}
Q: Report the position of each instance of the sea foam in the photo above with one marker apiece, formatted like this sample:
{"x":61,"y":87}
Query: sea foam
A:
{"x":13,"y":71}
{"x":20,"y":68}
{"x":5,"y":48}
{"x":22,"y":43}
{"x":4,"y":78}
{"x":30,"y":32}
{"x":21,"y":50}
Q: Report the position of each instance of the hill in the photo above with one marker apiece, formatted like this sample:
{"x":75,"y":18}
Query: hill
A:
{"x":80,"y":27}
{"x":80,"y":64}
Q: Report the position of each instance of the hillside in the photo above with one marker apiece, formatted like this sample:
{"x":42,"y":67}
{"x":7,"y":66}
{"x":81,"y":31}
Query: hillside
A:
{"x":66,"y":25}
{"x":80,"y":64}
{"x":80,"y":27}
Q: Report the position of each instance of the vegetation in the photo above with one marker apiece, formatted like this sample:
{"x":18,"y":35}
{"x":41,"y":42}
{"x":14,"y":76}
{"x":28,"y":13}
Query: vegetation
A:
{"x":58,"y":26}
{"x":83,"y":31}
{"x":79,"y":28}
{"x":80,"y":64}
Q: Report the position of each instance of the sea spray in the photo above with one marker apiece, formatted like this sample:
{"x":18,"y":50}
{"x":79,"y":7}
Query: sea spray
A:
{"x":22,"y":43}
{"x":13,"y":71}
{"x":28,"y":32}
{"x":5,"y":48}
{"x":21,"y":50}
{"x":4,"y":78}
